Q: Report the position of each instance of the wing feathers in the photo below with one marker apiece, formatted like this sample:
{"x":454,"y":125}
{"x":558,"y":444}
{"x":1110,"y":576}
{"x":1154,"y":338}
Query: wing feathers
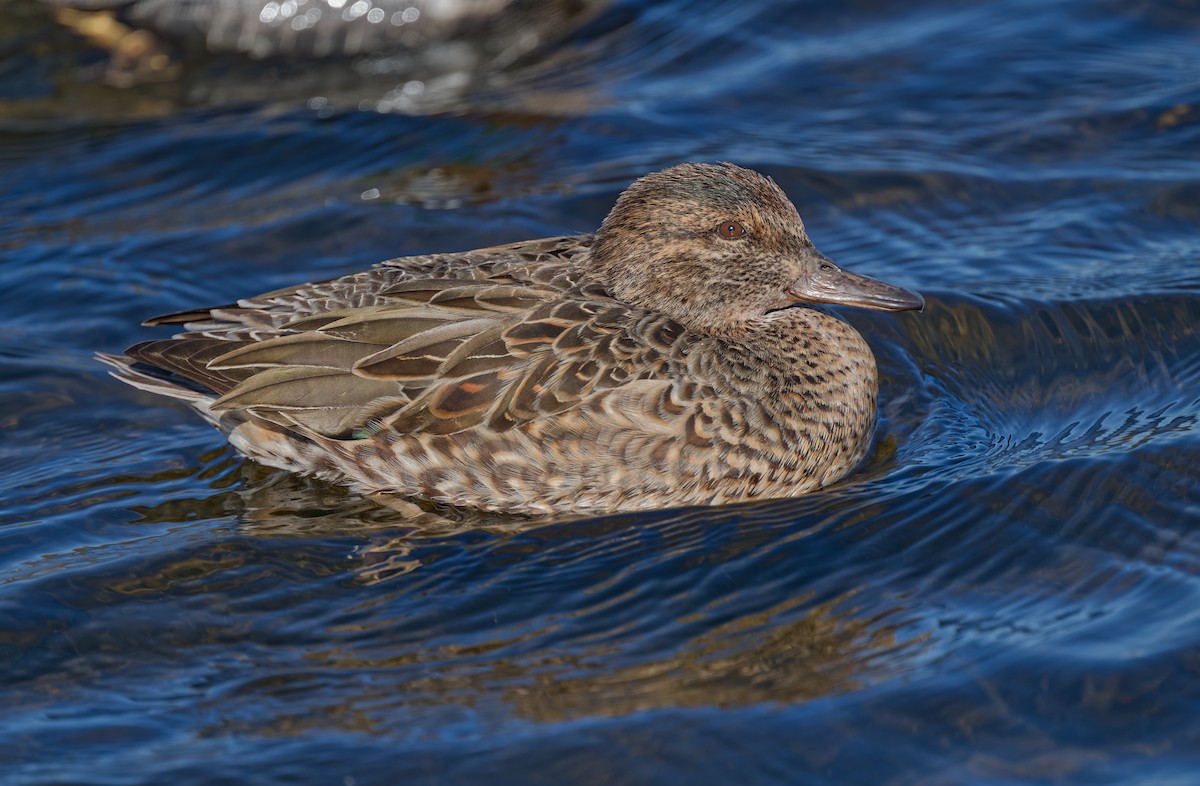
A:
{"x":424,"y":354}
{"x":491,"y":339}
{"x":318,"y":350}
{"x":304,"y":387}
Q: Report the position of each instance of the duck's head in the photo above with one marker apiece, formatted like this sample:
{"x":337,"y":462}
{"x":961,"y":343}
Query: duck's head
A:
{"x":715,"y":247}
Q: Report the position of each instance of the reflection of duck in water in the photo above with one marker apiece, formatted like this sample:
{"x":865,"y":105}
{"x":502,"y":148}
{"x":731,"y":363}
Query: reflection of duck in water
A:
{"x":660,"y":362}
{"x":412,"y":38}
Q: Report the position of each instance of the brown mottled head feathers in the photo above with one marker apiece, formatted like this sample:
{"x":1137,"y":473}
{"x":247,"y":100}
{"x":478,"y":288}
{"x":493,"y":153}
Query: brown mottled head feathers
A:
{"x":661,"y":246}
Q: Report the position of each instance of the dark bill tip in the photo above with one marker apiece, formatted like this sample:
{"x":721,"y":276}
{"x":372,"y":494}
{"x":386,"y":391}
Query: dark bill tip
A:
{"x":830,"y":284}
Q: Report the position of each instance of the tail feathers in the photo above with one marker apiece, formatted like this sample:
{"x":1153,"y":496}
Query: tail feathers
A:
{"x":271,"y":438}
{"x":154,"y":380}
{"x":184,"y":318}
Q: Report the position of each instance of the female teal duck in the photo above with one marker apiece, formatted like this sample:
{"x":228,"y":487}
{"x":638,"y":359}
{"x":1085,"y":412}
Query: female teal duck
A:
{"x":666,"y":360}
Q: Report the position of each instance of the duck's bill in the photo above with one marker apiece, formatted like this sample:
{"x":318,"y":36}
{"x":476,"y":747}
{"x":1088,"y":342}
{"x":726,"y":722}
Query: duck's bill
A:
{"x":830,"y":284}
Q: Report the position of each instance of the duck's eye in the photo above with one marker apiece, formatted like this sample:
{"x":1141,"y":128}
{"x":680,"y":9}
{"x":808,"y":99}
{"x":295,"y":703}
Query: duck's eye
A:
{"x":731,"y":230}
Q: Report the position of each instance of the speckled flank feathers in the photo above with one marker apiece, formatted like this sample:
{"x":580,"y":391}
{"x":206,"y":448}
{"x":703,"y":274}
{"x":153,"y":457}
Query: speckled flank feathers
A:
{"x":664,"y":361}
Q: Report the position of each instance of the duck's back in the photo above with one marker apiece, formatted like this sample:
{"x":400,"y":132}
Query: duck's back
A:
{"x":549,"y":264}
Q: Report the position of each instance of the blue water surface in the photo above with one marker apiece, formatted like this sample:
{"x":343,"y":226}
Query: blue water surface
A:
{"x":1007,"y":592}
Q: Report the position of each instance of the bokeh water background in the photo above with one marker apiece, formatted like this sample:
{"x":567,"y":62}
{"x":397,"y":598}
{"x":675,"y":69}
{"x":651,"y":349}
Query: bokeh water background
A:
{"x":1008,"y":592}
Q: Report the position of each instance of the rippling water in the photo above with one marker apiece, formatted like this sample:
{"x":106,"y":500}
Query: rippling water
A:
{"x":1007,"y":592}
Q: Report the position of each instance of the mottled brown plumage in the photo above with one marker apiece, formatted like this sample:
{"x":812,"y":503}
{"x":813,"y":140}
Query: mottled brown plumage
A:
{"x":667,"y":360}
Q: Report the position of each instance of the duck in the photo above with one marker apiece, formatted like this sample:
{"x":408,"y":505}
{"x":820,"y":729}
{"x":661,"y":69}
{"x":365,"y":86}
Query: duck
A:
{"x":683,"y":354}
